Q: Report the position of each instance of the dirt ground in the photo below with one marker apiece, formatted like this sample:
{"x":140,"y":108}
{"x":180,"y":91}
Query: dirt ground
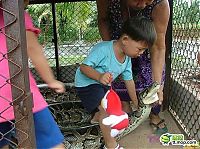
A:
{"x":143,"y":138}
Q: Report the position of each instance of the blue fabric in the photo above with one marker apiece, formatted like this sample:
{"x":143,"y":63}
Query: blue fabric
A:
{"x":156,"y":109}
{"x":102,"y":58}
{"x":47,"y":132}
{"x":91,"y":96}
{"x":5,"y":133}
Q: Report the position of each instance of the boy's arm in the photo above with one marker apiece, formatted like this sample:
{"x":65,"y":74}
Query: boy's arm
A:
{"x":104,"y":78}
{"x":130,"y":85}
{"x":35,"y":52}
{"x":90,"y":72}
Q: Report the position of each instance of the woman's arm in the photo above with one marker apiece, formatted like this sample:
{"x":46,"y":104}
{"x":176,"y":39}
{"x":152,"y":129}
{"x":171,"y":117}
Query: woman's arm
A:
{"x":103,"y":19}
{"x":160,"y":17}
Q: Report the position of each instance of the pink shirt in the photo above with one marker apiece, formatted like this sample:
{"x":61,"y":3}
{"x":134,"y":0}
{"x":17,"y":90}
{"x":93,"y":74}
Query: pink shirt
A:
{"x":6,"y":111}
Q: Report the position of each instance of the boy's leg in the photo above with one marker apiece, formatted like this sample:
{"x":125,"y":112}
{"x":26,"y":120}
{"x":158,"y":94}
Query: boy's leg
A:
{"x":126,"y":106}
{"x":91,"y":97}
{"x":110,"y":142}
{"x":59,"y":146}
{"x":95,"y":118}
{"x":47,"y":132}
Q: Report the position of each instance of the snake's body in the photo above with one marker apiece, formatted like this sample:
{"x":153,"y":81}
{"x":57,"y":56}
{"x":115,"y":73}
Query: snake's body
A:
{"x":74,"y":121}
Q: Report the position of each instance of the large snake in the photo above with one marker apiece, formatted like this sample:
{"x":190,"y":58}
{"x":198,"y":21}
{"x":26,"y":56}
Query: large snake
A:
{"x":74,"y":121}
{"x":148,"y":96}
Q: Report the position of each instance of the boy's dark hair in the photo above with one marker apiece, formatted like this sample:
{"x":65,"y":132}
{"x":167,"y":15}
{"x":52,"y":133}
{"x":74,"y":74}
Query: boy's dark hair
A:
{"x":140,"y":28}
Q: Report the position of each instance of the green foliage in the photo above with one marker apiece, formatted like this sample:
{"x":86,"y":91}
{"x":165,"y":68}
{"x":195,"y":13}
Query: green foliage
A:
{"x":91,"y":34}
{"x":74,"y":20}
{"x":186,"y":14}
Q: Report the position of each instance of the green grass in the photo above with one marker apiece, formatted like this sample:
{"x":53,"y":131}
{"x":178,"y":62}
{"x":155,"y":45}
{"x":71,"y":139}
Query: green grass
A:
{"x":67,"y":60}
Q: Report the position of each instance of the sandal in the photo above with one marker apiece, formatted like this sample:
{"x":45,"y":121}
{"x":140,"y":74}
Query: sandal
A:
{"x":159,"y":131}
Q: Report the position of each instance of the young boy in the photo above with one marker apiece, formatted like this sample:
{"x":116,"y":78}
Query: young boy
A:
{"x":106,"y":61}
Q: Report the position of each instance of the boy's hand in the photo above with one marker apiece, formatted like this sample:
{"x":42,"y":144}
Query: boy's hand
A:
{"x":105,"y":78}
{"x":57,"y":86}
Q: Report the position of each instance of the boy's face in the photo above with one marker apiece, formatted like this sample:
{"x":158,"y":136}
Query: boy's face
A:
{"x":133,"y":48}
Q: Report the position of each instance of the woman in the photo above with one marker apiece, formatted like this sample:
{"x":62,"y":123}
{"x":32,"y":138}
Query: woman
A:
{"x":149,"y":66}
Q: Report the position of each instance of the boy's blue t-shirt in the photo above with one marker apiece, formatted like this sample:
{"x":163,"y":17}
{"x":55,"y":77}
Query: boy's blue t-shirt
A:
{"x":102,"y":59}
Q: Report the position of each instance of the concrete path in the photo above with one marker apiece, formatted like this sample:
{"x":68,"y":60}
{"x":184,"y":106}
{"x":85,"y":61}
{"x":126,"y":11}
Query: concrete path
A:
{"x":143,"y":138}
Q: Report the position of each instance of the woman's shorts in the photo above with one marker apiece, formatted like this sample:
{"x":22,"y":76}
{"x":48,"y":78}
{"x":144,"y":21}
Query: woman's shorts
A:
{"x":91,"y":96}
{"x":47,"y":132}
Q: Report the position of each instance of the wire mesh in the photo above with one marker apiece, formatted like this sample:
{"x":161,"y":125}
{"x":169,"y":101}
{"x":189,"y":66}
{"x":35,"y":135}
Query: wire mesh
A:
{"x":72,"y":119}
{"x":185,"y":67}
{"x":76,"y":31}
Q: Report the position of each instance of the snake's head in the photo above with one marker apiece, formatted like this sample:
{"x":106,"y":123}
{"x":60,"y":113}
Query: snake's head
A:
{"x":149,"y":95}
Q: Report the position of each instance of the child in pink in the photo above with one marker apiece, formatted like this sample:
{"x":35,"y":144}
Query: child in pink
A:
{"x":47,"y":132}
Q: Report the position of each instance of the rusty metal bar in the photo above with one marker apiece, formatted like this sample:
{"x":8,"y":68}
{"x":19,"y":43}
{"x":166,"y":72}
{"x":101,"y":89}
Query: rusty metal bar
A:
{"x":168,"y":42}
{"x":55,"y":39}
{"x":19,"y":79}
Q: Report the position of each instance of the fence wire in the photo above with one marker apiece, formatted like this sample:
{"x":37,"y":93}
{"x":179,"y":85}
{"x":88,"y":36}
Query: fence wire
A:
{"x":68,"y":37}
{"x":70,"y":29}
{"x":185,"y":68}
{"x":76,"y":28}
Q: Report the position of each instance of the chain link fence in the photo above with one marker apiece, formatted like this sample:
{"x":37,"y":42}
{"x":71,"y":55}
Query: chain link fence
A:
{"x":73,"y":42}
{"x":68,"y":31}
{"x":184,"y":95}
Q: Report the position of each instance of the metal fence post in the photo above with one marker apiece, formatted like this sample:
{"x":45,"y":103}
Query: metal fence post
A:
{"x":168,"y":59}
{"x":19,"y":79}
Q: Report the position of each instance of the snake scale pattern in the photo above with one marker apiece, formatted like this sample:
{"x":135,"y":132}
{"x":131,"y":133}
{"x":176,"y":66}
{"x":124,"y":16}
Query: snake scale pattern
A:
{"x":74,"y":121}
